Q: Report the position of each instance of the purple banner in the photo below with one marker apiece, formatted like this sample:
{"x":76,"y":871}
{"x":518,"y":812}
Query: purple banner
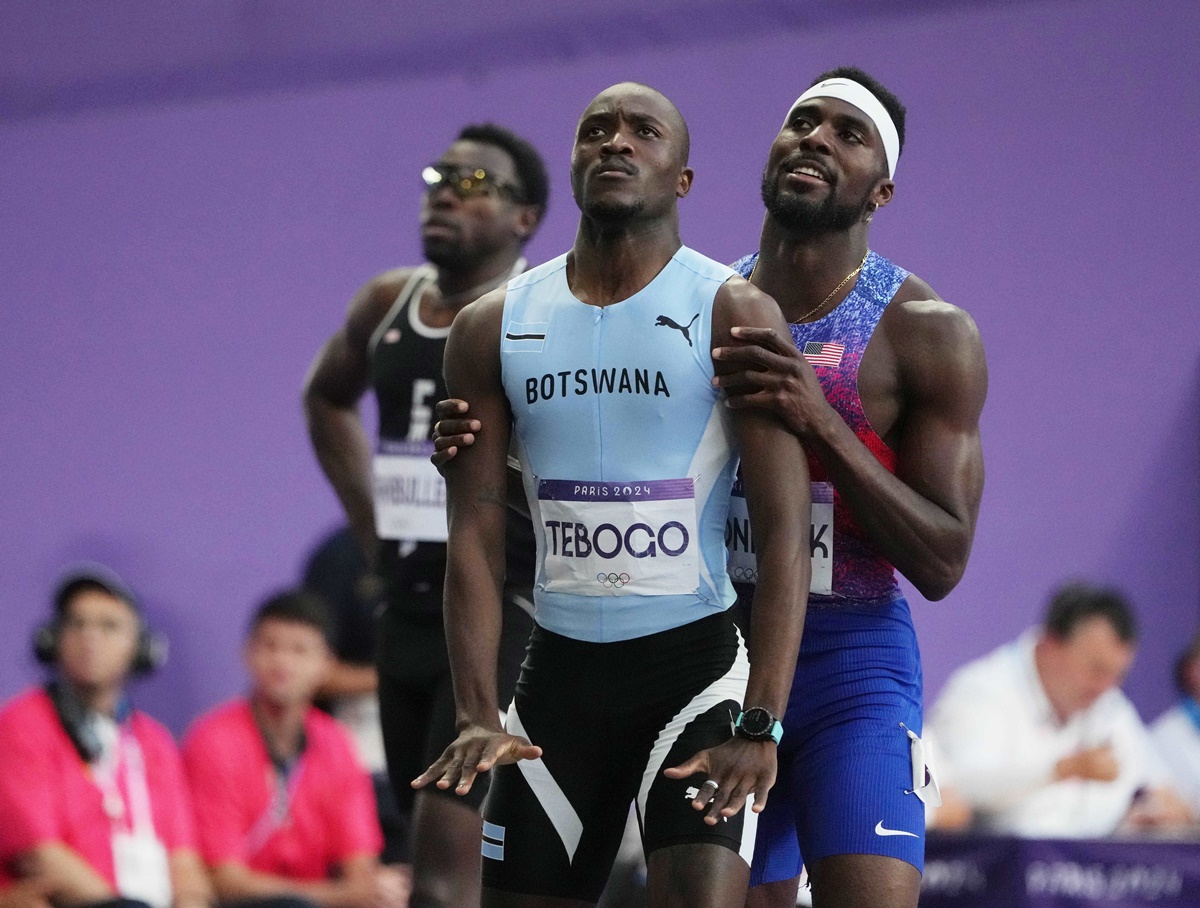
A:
{"x":983,"y":872}
{"x":578,"y":490}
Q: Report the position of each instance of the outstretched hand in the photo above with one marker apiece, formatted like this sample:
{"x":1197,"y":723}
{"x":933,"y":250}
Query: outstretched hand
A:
{"x":739,"y":768}
{"x":452,"y":431}
{"x":769,"y":372}
{"x":475,"y":750}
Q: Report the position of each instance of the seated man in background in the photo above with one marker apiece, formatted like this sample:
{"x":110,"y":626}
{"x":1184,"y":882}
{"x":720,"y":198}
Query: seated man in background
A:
{"x":1176,"y":732}
{"x":1041,"y":741}
{"x":94,"y":808}
{"x":284,"y":810}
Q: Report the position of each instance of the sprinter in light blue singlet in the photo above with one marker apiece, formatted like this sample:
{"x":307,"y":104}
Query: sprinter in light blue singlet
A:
{"x":637,"y":686}
{"x":630,"y":529}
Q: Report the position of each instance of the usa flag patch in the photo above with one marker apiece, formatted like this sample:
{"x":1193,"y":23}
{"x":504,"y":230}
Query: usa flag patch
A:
{"x":824,"y":354}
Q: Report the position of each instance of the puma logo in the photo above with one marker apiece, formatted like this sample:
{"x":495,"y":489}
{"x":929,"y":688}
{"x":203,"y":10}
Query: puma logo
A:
{"x":665,"y":321}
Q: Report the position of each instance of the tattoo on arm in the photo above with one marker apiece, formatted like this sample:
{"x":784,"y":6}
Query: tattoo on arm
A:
{"x":494,"y":495}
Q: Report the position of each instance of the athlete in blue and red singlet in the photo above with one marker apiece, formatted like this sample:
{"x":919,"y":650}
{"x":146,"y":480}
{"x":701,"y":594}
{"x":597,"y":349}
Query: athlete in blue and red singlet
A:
{"x":884,"y":383}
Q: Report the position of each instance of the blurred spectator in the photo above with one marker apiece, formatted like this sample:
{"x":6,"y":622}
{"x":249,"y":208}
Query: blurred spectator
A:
{"x":1039,"y":739}
{"x":1177,"y":731}
{"x":337,"y":571}
{"x":284,"y":810}
{"x":94,"y":808}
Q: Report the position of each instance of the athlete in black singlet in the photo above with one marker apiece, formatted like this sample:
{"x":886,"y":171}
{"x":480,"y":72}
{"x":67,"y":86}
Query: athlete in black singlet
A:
{"x":485,"y":198}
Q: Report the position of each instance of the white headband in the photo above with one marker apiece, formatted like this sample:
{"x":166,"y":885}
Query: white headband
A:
{"x":852,"y":93}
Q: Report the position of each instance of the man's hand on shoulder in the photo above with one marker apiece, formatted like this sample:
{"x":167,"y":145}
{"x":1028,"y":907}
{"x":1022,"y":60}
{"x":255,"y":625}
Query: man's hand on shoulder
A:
{"x":454,"y":429}
{"x":758,"y":365}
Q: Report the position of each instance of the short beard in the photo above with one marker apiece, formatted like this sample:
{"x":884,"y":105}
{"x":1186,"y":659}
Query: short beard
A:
{"x":614,"y":213}
{"x":799,"y":215}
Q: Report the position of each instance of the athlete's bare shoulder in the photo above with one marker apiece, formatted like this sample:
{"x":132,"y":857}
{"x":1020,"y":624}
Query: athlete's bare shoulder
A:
{"x":739,"y":302}
{"x":372,"y":302}
{"x":933,"y":340}
{"x":918,"y":315}
{"x":474,"y":339}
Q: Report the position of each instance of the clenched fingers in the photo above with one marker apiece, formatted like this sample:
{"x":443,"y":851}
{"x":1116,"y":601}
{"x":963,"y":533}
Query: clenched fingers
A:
{"x":764,"y":337}
{"x":450,"y":408}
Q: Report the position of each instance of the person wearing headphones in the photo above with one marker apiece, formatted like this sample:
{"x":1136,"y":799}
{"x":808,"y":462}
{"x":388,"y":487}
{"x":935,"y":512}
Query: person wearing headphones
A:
{"x":95,"y":806}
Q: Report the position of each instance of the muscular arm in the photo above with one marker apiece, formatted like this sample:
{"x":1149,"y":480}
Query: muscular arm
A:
{"x":775,"y":477}
{"x":922,"y":519}
{"x":476,"y":504}
{"x":476,"y":496}
{"x":336,"y":382}
{"x":776,"y":481}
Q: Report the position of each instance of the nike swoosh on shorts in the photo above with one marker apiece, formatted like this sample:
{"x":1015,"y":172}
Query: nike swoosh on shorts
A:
{"x":880,"y":829}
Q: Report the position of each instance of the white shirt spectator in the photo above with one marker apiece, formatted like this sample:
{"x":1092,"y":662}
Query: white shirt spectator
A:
{"x":1002,"y":739}
{"x":1176,"y":734}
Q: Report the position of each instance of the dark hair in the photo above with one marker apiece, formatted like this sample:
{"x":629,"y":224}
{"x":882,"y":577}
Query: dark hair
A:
{"x":91,"y":577}
{"x":296,"y":607}
{"x":1076,"y":602}
{"x":1186,"y":658}
{"x":531,"y":170}
{"x":889,"y":101}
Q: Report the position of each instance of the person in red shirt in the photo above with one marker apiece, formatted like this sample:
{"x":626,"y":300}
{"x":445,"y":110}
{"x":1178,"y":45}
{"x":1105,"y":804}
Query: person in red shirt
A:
{"x":93,"y":798}
{"x":284,"y":810}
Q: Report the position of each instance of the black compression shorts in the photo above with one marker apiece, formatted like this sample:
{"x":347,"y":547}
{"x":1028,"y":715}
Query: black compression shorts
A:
{"x":609,"y":718}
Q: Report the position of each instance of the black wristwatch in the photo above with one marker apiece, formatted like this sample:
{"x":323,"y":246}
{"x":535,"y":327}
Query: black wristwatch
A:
{"x":758,"y":724}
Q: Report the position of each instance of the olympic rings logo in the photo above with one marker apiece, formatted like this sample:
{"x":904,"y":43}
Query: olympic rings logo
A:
{"x":613,"y":581}
{"x":745,"y":573}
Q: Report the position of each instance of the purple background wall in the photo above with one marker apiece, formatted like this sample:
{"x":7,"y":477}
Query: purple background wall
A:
{"x":167,"y":272}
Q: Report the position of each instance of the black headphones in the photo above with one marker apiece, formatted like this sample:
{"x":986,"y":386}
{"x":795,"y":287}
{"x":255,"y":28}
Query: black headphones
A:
{"x":151,"y":650}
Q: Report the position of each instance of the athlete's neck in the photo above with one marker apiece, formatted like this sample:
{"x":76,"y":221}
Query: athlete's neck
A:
{"x":282,"y":725}
{"x":459,"y":286}
{"x":800,"y":270}
{"x":610,"y":264}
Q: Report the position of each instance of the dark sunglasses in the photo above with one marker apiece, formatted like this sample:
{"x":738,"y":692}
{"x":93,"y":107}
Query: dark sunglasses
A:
{"x":467,"y":183}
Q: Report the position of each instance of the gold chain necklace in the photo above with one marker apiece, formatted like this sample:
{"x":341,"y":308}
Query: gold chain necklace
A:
{"x":820,"y":305}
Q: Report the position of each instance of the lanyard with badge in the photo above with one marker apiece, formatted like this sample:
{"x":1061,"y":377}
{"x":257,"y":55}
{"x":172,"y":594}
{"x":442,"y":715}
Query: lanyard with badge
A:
{"x":619,"y":538}
{"x":139,"y":856}
{"x":410,"y":494}
{"x":284,"y":779}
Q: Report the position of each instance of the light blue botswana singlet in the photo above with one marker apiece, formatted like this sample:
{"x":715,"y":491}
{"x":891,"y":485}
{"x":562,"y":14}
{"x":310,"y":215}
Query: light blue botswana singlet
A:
{"x":627,"y":454}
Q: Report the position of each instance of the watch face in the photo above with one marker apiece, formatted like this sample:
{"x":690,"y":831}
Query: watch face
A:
{"x":757,"y":722}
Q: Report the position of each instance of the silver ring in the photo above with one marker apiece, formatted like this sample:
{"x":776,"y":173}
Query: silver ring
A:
{"x":714,"y":785}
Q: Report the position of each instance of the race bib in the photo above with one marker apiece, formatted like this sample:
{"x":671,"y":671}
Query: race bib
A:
{"x":142,"y":869}
{"x":620,"y":538}
{"x":410,"y":494}
{"x":739,"y":538}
